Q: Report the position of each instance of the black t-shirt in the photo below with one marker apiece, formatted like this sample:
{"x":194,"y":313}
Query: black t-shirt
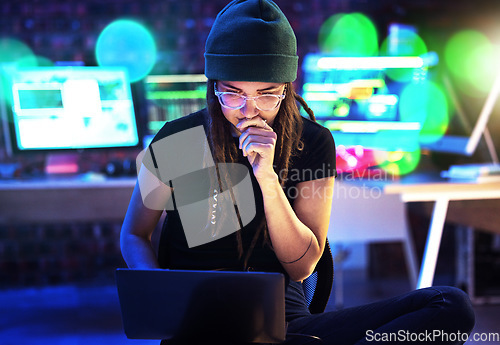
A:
{"x":316,"y":160}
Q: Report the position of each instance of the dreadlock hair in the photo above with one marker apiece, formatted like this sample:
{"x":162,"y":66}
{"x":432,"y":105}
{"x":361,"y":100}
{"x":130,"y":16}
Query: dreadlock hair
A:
{"x":287,"y":125}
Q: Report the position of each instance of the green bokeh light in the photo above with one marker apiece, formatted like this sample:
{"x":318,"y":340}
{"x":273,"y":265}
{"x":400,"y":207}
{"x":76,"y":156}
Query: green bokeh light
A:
{"x":13,"y":54}
{"x":402,"y":42}
{"x":342,"y":110}
{"x":42,"y":61}
{"x":128,"y":44}
{"x":472,"y":59}
{"x":426,"y":103}
{"x":398,"y":162}
{"x":351,"y":34}
{"x":16,"y":54}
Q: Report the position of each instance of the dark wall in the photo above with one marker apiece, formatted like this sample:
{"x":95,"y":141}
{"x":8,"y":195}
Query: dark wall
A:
{"x":68,"y":30}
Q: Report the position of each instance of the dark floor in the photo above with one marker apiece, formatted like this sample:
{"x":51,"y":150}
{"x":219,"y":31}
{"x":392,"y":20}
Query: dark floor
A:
{"x":74,"y":315}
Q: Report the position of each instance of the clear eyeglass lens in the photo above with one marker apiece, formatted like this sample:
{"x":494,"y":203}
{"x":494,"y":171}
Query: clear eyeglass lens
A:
{"x":232,"y":100}
{"x":267,"y":102}
{"x":263,"y":102}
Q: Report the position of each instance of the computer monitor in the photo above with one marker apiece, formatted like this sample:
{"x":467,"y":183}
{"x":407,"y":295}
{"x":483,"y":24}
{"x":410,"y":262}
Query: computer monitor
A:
{"x":173,"y":96}
{"x":357,"y":100}
{"x":69,"y":108}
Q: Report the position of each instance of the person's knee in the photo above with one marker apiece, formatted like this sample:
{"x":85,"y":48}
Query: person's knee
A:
{"x":457,"y":306}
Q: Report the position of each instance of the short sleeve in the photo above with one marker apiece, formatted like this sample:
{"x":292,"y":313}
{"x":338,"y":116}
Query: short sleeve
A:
{"x":317,"y":159}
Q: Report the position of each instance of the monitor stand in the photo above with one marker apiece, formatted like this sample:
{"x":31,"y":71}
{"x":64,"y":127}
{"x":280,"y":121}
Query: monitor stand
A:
{"x":61,"y":163}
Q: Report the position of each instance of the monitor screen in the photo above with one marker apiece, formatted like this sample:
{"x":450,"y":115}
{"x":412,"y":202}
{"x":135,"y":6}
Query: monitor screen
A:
{"x":356,"y":98}
{"x":68,"y":108}
{"x":173,"y":96}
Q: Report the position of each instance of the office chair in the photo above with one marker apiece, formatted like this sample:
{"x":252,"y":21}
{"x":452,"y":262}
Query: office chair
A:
{"x":318,"y":286}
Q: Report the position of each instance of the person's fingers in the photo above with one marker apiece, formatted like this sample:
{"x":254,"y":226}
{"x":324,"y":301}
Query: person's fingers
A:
{"x":256,"y":121}
{"x":252,"y":141}
{"x":257,"y":133}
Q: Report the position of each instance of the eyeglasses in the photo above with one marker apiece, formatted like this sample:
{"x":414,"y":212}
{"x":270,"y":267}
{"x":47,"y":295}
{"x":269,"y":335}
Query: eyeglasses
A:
{"x":233,"y":100}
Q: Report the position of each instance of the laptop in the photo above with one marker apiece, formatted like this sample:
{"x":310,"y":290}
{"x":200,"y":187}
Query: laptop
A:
{"x":467,"y":145}
{"x":193,"y":305}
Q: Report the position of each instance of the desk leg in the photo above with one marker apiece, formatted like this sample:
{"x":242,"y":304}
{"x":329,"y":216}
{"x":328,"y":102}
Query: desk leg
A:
{"x":432,"y":245}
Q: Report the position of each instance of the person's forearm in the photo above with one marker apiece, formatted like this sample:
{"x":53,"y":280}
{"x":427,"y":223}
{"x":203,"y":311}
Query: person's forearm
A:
{"x":138,"y":252}
{"x":295,"y":245}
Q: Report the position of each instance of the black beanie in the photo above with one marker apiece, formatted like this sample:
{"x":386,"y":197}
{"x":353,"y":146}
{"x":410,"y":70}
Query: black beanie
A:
{"x":251,"y":40}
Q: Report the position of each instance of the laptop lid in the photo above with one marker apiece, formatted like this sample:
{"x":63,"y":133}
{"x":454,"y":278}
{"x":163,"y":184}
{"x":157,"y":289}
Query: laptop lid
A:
{"x":466,"y":145}
{"x":190,"y":305}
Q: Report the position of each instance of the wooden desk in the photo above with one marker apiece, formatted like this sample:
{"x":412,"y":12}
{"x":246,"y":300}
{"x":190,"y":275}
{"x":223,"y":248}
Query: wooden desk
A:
{"x":441,"y":192}
{"x":59,"y":200}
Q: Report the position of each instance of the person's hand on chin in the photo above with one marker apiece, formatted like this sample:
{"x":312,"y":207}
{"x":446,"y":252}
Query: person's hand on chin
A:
{"x":258,"y":141}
